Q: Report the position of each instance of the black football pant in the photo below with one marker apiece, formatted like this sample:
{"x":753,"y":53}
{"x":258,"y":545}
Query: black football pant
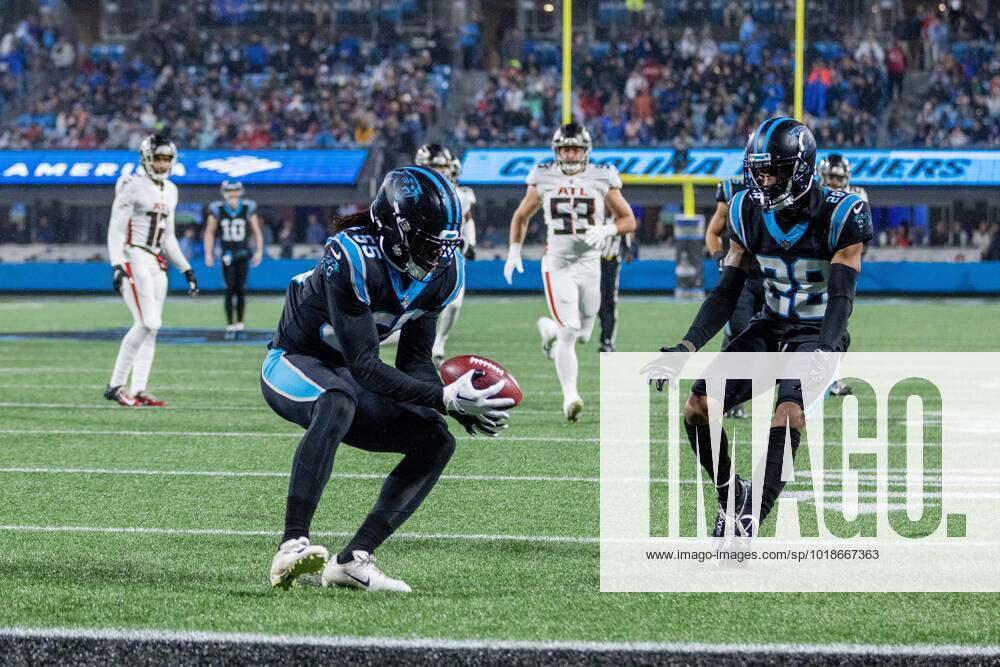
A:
{"x":343,"y":411}
{"x":608,"y":314}
{"x":235,"y":275}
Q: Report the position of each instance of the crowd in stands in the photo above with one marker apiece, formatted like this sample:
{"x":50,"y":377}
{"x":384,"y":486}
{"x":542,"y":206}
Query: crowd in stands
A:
{"x":655,"y":88}
{"x":299,"y":84}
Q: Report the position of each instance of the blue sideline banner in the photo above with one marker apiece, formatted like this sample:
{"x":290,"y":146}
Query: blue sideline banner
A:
{"x":927,"y":278}
{"x":266,"y":167}
{"x":507,"y":166}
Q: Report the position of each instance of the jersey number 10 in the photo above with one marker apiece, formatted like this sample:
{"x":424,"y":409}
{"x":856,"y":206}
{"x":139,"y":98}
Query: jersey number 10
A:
{"x":233,"y":229}
{"x":571,"y":210}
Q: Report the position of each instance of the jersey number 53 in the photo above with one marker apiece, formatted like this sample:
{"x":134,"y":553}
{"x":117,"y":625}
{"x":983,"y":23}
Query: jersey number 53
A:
{"x":570,"y":211}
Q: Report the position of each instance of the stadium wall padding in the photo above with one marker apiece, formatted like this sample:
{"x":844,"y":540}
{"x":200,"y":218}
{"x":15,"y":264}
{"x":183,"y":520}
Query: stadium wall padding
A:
{"x":938,"y":278}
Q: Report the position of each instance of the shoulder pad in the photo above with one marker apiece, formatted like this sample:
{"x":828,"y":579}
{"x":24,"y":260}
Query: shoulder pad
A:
{"x":344,"y":250}
{"x":736,"y":224}
{"x":846,"y":208}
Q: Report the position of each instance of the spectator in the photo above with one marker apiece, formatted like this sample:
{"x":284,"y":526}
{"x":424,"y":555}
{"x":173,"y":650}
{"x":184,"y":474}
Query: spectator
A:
{"x":315,"y":232}
{"x":44,"y":231}
{"x":895,"y":61}
{"x":869,"y":47}
{"x":286,"y":238}
{"x":747,"y":28}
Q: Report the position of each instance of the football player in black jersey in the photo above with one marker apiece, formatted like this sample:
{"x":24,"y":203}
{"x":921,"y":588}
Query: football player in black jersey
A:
{"x":393,"y":268}
{"x":717,"y":244}
{"x":233,"y":215}
{"x":808,"y":241}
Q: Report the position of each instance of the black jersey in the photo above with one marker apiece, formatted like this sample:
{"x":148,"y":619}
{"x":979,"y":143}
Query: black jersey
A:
{"x":233,"y":225}
{"x":353,"y":277}
{"x":794,"y":247}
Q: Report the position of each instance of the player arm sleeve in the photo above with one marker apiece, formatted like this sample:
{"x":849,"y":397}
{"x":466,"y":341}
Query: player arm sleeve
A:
{"x":355,"y":327}
{"x":171,"y":248}
{"x":717,"y":308}
{"x":469,"y":226}
{"x":121,"y":210}
{"x":840,"y":290}
{"x":413,"y":355}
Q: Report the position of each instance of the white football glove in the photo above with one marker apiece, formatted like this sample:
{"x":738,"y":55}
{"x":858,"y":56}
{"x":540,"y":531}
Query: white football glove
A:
{"x":475,"y":408}
{"x":597,"y":237}
{"x":513,"y":262}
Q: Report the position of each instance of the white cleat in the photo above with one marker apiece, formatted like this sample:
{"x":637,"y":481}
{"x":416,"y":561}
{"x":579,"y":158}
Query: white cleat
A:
{"x":361,"y":573}
{"x":548,"y":331}
{"x":572,"y":409}
{"x":295,"y":558}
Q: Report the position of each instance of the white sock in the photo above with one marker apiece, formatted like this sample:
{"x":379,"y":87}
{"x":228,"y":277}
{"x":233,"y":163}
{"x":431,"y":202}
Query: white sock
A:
{"x":143,"y":363}
{"x":566,"y":364}
{"x":126,"y":354}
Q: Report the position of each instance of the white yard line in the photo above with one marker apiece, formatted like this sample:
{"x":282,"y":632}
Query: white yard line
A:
{"x":139,"y":530}
{"x":264,"y":434}
{"x":832,"y":478}
{"x":944,"y":651}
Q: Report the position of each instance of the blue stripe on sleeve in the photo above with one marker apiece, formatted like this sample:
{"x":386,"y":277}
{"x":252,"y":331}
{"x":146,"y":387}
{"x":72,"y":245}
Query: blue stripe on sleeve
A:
{"x":839,"y":216}
{"x":736,"y":217}
{"x":356,"y":262}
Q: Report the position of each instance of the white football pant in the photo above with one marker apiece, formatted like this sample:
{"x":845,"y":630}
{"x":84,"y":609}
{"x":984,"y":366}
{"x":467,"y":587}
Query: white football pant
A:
{"x":573,"y":295}
{"x":446,"y":321}
{"x":144,"y":290}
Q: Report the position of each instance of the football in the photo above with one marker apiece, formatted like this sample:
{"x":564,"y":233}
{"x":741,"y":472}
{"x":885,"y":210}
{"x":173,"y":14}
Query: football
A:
{"x":492,"y":372}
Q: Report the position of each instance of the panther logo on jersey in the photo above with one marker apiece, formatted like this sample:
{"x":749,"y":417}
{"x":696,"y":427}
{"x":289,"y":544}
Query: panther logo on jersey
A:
{"x":329,"y":265}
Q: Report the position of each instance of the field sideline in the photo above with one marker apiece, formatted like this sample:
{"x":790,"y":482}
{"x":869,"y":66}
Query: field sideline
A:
{"x":165,"y":520}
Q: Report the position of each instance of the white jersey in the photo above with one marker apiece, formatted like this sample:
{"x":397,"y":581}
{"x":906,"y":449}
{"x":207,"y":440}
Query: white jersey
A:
{"x":572,"y":205}
{"x":468,"y":199}
{"x":142,"y":216}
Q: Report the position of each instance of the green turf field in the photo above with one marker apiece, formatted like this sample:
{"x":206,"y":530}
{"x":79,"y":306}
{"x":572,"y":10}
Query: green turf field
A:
{"x":179,"y":510}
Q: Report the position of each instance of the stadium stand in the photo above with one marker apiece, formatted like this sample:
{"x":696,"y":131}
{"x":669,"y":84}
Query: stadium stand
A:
{"x":301,"y":83}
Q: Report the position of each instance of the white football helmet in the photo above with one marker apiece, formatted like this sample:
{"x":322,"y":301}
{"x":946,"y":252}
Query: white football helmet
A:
{"x":156,"y":145}
{"x":572,"y":135}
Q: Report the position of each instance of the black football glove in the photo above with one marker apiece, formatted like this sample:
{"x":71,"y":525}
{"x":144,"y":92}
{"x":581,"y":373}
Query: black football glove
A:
{"x":470,"y":252}
{"x":192,"y":283}
{"x":719,"y":258}
{"x":118,"y":276}
{"x":489,"y":424}
{"x":667,"y":367}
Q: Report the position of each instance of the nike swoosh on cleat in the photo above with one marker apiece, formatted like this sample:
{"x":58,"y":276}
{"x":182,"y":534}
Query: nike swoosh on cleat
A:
{"x":363,"y":583}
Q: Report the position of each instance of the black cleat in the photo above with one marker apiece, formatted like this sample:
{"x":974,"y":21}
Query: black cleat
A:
{"x":741,"y":501}
{"x":735,"y":412}
{"x":606,"y":346}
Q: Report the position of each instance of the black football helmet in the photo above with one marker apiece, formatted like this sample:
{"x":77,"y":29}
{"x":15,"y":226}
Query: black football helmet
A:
{"x":834,"y":171}
{"x":781,"y":152}
{"x":572,"y":134}
{"x":156,"y":145}
{"x":417,"y":216}
{"x":434,"y":156}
